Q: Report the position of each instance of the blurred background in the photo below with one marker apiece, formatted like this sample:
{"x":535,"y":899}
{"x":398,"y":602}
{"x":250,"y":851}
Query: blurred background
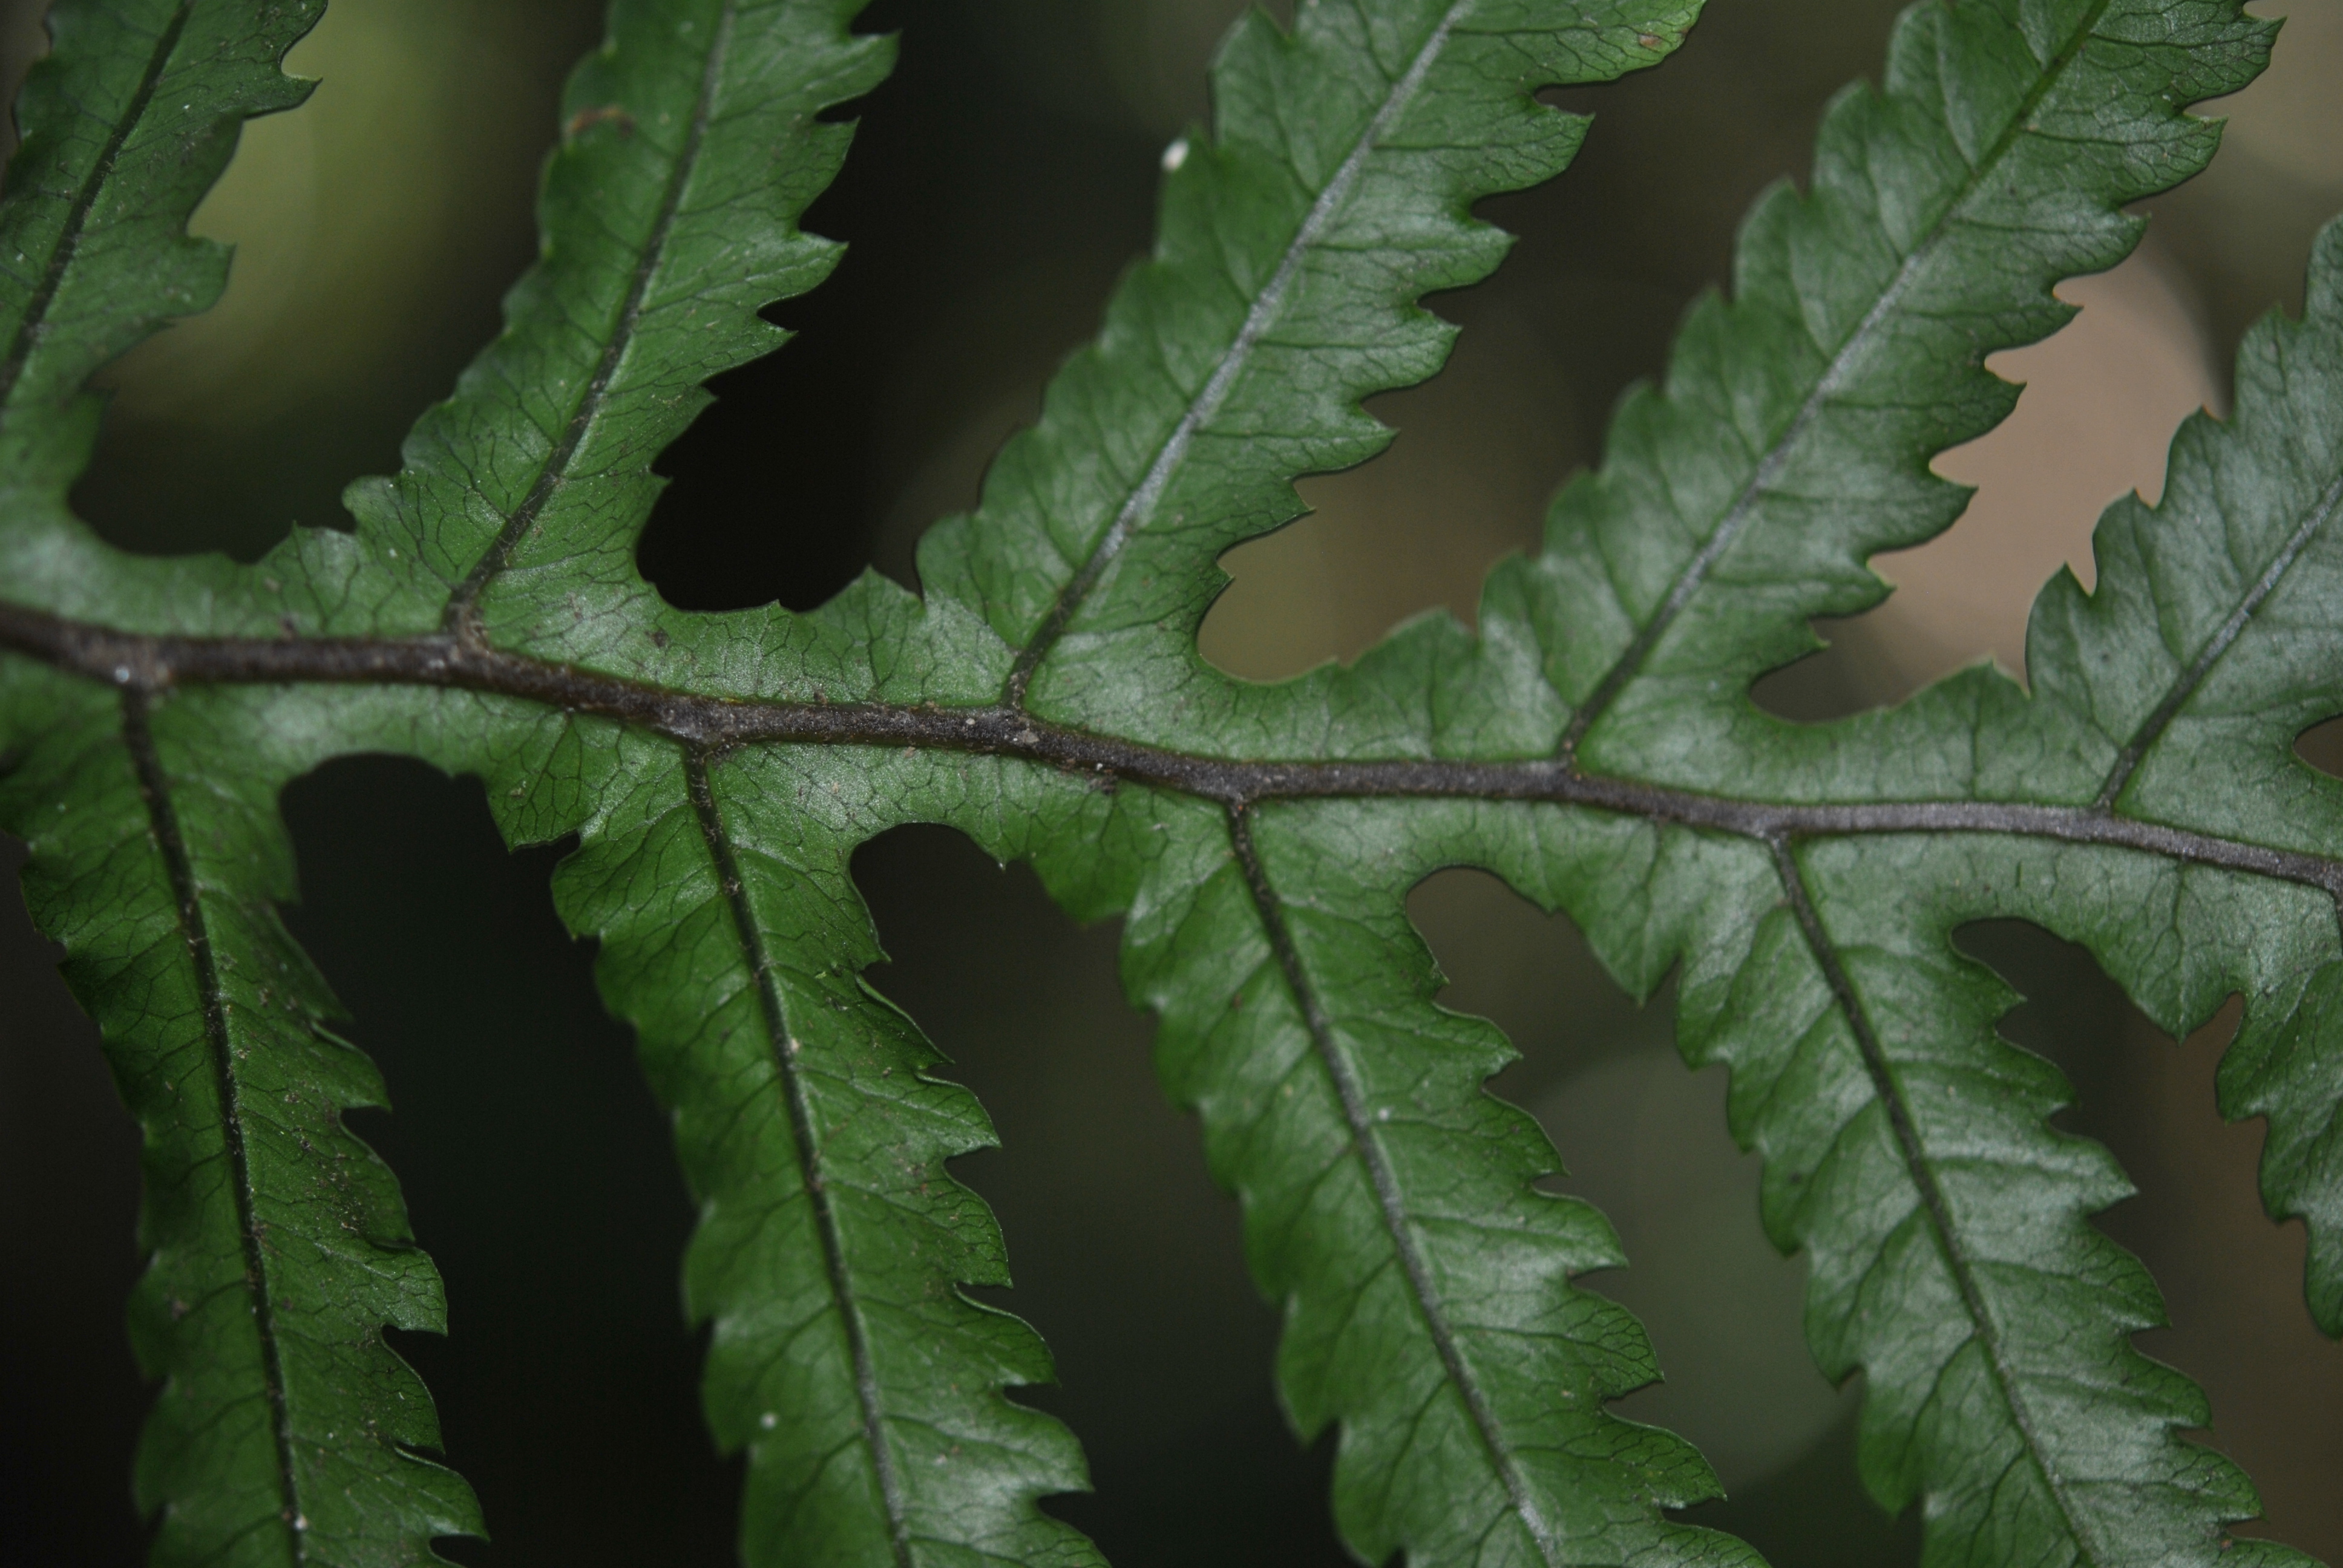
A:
{"x":1001,"y":182}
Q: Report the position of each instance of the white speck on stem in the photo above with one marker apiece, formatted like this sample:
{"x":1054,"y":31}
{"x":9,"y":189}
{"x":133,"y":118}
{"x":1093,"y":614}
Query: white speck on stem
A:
{"x":1174,"y":156}
{"x":768,"y":1421}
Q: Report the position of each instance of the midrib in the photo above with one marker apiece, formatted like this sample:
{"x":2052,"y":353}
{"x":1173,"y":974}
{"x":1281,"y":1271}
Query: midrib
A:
{"x":170,"y":844}
{"x":733,"y":887}
{"x":148,"y":663}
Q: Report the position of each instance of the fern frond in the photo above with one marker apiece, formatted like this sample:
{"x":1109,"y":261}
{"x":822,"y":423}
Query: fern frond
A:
{"x":2174,"y":693}
{"x":864,"y":1387}
{"x":127,"y":122}
{"x":1593,"y":742}
{"x":1907,"y":1150}
{"x":286,"y":1431}
{"x":1334,"y":191}
{"x":1791,"y":438}
{"x":691,"y":142}
{"x":1389,"y":1204}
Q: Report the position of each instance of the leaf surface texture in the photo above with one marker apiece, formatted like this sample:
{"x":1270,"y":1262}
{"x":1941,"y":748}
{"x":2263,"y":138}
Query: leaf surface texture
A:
{"x":1593,"y":742}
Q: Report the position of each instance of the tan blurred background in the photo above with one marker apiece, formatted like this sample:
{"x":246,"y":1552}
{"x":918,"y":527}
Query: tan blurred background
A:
{"x":999,"y":186}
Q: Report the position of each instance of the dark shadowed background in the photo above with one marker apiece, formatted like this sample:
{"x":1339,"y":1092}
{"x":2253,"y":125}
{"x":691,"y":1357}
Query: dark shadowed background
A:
{"x":999,"y":183}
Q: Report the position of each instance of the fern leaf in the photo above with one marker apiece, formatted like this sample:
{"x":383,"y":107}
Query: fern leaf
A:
{"x":690,"y":144}
{"x":286,"y":1431}
{"x":1593,"y":742}
{"x":1388,"y":1204}
{"x":2174,"y":693}
{"x":1908,"y":1151}
{"x":1790,"y":441}
{"x":865,"y":1389}
{"x":1294,"y":241}
{"x":127,"y":122}
{"x":2182,"y":682}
